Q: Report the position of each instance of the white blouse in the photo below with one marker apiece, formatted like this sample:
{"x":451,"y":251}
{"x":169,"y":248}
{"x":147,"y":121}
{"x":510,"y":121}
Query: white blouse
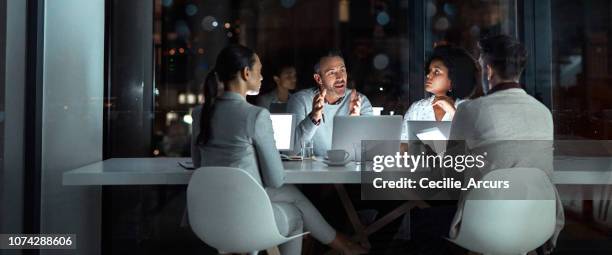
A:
{"x":422,"y":110}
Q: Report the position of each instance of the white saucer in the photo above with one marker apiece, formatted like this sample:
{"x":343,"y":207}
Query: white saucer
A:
{"x":329,"y":163}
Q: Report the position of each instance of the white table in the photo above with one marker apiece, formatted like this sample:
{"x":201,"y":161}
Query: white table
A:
{"x":166,"y":171}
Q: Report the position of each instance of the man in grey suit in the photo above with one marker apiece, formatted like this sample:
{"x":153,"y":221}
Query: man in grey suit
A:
{"x":315,"y":108}
{"x":512,"y":127}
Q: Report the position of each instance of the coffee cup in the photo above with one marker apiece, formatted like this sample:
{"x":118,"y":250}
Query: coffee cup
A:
{"x":376,"y":111}
{"x":337,"y":156}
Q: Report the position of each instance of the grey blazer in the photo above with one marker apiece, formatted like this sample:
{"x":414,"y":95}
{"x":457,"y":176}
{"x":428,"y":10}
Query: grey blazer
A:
{"x":242,"y":137}
{"x":515,"y":130}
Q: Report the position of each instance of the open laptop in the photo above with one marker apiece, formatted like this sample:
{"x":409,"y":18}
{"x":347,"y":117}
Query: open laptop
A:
{"x":283,"y":125}
{"x":432,"y":133}
{"x":350,"y":131}
{"x":428,"y":130}
{"x":278,"y":108}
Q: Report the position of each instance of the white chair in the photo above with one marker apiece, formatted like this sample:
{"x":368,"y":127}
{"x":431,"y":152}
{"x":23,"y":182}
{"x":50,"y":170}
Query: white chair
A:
{"x":231,"y":212}
{"x":512,"y":221}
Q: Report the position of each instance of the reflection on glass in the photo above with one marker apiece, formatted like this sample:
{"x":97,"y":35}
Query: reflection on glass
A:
{"x":582,"y":108}
{"x":373,"y":36}
{"x":464,"y":22}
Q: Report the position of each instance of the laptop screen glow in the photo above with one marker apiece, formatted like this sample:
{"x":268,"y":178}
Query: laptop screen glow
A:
{"x":434,"y":138}
{"x":431,"y":134}
{"x":282,"y":126}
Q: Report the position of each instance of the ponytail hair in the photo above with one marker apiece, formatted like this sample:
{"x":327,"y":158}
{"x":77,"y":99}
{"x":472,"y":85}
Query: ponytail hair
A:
{"x":230,"y":61}
{"x":211,"y":87}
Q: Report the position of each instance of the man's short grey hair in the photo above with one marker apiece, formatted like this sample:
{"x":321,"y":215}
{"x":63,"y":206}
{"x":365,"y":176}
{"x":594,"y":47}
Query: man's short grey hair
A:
{"x":327,"y":54}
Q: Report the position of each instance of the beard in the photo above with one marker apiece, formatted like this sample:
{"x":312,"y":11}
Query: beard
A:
{"x":339,"y":92}
{"x":337,"y":89}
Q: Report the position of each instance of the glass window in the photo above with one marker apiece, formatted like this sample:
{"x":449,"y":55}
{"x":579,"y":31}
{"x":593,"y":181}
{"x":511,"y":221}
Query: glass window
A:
{"x":385,"y":45}
{"x":582,"y":90}
{"x":464,"y":22}
{"x":373,"y":36}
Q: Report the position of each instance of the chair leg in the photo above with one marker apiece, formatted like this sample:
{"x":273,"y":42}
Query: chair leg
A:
{"x":273,"y":251}
{"x":606,"y":202}
{"x":360,"y":231}
{"x":601,"y":201}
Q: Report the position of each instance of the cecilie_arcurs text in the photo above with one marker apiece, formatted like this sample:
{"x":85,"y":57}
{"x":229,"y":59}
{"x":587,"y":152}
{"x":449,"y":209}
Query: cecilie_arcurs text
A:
{"x":444,"y":183}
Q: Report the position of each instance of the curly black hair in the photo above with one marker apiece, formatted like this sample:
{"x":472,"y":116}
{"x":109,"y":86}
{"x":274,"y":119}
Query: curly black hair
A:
{"x":463,"y":70}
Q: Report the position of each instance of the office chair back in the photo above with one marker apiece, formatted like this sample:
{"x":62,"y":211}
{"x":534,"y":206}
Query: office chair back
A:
{"x":511,"y":221}
{"x":231,"y":212}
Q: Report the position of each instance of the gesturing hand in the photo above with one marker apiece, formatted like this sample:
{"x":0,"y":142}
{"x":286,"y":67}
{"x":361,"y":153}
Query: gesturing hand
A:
{"x":445,"y":104}
{"x":355,"y":104}
{"x":317,"y":105}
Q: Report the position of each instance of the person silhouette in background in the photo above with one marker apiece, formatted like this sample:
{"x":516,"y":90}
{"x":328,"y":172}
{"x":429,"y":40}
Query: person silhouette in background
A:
{"x":285,"y":79}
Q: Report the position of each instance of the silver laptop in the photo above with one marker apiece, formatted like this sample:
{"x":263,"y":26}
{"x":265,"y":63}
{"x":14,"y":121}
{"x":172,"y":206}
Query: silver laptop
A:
{"x":381,"y":133}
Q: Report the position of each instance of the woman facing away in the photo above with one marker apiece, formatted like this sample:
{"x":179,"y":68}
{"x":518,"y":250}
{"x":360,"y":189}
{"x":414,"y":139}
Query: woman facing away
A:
{"x":234,"y":133}
{"x":452,"y":76}
{"x":210,"y":85}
